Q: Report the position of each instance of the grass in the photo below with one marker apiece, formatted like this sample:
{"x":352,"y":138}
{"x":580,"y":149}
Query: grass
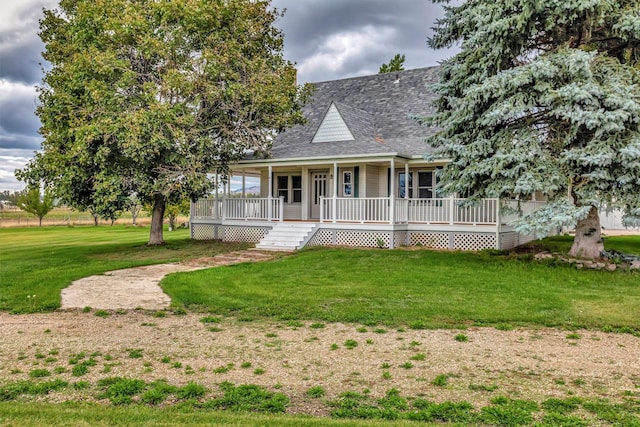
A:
{"x":38,"y":262}
{"x":418,"y":289}
{"x":37,"y":414}
{"x":421,"y":289}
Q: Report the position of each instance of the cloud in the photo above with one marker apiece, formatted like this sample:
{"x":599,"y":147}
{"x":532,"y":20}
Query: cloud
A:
{"x":18,"y":123}
{"x":10,"y":160}
{"x":367,"y":33}
{"x":348,"y":53}
{"x":20,"y":45}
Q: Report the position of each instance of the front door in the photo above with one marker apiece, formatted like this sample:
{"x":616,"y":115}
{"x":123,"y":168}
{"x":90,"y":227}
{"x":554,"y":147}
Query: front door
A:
{"x":318,"y":189}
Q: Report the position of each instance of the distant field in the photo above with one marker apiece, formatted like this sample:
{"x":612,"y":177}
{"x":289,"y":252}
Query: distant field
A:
{"x":66,"y":216}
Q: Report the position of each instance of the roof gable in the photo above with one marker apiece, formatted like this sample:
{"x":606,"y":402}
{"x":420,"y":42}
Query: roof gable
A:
{"x":376,"y":110}
{"x":333,"y":127}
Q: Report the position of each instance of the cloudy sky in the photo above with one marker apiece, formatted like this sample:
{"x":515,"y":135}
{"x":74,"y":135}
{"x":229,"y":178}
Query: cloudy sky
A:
{"x":327,"y":39}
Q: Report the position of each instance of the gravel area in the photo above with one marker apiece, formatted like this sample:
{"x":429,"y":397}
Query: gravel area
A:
{"x":525,"y":363}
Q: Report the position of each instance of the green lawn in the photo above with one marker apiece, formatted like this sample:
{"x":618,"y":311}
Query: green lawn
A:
{"x":42,"y":261}
{"x":78,"y":414}
{"x":417,"y":289}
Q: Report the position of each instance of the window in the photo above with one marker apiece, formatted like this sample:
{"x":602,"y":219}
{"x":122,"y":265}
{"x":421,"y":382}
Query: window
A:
{"x":422,"y":188}
{"x":283,"y":188}
{"x":289,"y":187}
{"x":296,"y":188}
{"x":425,"y":185}
{"x":347,"y":183}
{"x":405,"y":185}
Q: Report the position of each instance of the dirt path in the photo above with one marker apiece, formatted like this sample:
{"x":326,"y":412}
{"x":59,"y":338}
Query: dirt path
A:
{"x":138,"y":287}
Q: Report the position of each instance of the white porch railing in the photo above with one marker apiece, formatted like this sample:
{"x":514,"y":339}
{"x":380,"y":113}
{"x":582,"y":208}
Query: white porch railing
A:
{"x":370,"y":209}
{"x":387,"y":210}
{"x":267,"y":209}
{"x":428,"y":211}
{"x":207,"y":209}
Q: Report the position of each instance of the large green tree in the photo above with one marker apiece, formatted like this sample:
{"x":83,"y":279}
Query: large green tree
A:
{"x":544,"y":98}
{"x":146,"y":97}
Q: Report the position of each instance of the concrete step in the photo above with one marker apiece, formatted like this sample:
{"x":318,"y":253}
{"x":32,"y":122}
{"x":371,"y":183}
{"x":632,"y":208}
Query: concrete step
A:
{"x":286,"y":237}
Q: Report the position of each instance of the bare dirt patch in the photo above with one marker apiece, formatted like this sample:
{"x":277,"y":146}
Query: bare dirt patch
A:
{"x":524,"y":363}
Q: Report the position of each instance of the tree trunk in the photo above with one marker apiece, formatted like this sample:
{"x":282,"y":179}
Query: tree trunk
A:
{"x":40,"y":221}
{"x":155,"y":236}
{"x":588,"y":243}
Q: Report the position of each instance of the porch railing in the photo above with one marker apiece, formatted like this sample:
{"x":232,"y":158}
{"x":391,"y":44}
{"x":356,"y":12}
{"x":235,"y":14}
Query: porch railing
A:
{"x":428,"y":211}
{"x":207,"y":209}
{"x":266,"y":209}
{"x":387,"y":210}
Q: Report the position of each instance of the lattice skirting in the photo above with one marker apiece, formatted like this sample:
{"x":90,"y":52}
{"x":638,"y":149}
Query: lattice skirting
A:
{"x":204,"y":231}
{"x":358,"y":239}
{"x":373,"y":239}
{"x":364,"y":239}
{"x":382,"y":239}
{"x":243,"y":234}
{"x":321,"y":238}
{"x":473,"y":241}
{"x":429,"y":240}
{"x":228,"y":233}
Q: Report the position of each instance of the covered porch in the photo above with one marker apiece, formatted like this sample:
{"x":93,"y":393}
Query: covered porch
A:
{"x":384,"y":222}
{"x":380,"y":200}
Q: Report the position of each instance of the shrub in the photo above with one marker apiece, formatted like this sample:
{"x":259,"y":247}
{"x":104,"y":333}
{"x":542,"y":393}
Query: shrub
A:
{"x":462,"y":338}
{"x":350,"y":344}
{"x":248,"y":397}
{"x":135,"y":353}
{"x":120,"y":390}
{"x":210,"y":319}
{"x":441,"y":380}
{"x":39,"y":373}
{"x":316,"y":392}
{"x":191,"y":391}
{"x":47,"y":387}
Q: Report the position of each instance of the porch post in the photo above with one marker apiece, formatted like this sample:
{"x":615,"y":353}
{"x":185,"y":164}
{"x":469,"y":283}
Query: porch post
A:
{"x":192,"y":207}
{"x":406,"y":180}
{"x":498,"y":225}
{"x":270,"y":197}
{"x":451,"y":206}
{"x":281,"y":208}
{"x":243,"y":185}
{"x":392,"y":190}
{"x":217,"y":183}
{"x":335,"y":191}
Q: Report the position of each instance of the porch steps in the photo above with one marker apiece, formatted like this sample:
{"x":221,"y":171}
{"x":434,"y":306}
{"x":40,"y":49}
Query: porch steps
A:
{"x":286,"y":236}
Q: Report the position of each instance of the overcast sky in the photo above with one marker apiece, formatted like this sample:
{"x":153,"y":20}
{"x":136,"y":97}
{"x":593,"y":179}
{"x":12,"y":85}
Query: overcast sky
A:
{"x":327,"y":39}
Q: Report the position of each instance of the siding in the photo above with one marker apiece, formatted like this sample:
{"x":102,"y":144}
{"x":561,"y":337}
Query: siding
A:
{"x":373,"y":181}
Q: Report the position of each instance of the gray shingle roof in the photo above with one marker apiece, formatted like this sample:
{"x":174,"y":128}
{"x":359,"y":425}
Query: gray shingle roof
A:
{"x":377,"y":109}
